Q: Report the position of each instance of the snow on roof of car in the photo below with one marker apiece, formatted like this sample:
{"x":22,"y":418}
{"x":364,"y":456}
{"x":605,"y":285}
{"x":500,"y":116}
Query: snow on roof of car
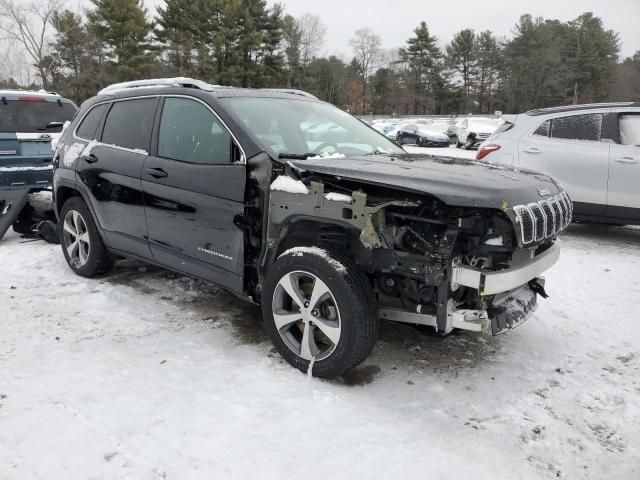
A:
{"x":189,"y":83}
{"x":584,"y":106}
{"x":157,"y":82}
{"x":31,"y":93}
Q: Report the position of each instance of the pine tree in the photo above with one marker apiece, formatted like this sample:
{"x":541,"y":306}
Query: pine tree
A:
{"x":488,"y":64}
{"x":592,"y":51}
{"x":423,"y":57}
{"x":122,"y":27}
{"x":81,"y":73}
{"x":461,"y":57}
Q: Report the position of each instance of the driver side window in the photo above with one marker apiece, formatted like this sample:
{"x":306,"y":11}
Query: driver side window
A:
{"x":189,"y":132}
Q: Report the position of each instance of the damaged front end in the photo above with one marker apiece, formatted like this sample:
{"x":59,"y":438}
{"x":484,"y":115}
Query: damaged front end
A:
{"x":430,"y":263}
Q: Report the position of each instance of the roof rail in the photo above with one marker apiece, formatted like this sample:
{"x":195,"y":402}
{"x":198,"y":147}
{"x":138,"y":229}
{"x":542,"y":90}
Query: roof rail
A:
{"x":292,"y":91}
{"x":584,"y":106}
{"x":158,"y":82}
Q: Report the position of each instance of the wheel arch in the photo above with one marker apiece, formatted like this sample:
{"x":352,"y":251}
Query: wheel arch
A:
{"x":304,"y":231}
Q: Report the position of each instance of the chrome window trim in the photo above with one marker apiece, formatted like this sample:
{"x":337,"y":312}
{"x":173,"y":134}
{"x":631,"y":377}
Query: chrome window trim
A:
{"x":243,"y":155}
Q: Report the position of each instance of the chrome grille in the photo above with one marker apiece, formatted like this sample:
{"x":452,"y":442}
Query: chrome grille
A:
{"x":541,"y":220}
{"x":559,"y":222}
{"x":544,"y":219}
{"x":551,"y":220}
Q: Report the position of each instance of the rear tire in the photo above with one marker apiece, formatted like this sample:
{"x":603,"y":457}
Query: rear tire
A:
{"x":339,"y":329}
{"x":81,"y":243}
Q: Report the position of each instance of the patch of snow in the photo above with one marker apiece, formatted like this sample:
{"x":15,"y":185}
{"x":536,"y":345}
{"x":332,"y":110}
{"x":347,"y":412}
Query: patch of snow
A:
{"x":23,"y":169}
{"x":140,"y":151}
{"x":155,"y":83}
{"x":299,"y":251}
{"x":144,"y":374}
{"x":452,"y":151}
{"x":290,"y":185}
{"x":327,"y":155}
{"x":56,"y":139}
{"x":338,"y":197}
{"x":70,"y":153}
{"x":89,"y":148}
{"x":496,"y":241}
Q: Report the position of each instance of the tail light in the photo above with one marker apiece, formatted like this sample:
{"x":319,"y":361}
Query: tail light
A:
{"x":486,"y":150}
{"x":32,"y":99}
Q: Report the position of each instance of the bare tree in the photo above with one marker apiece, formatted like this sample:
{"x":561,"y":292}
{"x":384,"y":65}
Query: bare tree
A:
{"x":28,"y":24}
{"x":367,"y":48}
{"x":312,"y":36}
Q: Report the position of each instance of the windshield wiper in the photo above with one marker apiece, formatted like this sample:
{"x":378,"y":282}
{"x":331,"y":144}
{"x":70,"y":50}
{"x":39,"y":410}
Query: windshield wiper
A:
{"x":377,"y":152}
{"x":296,"y":156}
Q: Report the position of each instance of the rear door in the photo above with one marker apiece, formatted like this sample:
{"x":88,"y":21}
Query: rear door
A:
{"x":110,"y":172}
{"x":569,"y":149}
{"x":623,"y":201}
{"x":194,"y":187}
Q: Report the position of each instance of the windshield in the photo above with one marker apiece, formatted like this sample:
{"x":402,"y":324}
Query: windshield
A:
{"x":17,"y":116}
{"x":303,"y":128}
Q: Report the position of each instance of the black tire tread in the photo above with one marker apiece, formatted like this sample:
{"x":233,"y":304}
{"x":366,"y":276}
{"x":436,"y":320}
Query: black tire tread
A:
{"x":364,"y":311}
{"x":100,"y":259}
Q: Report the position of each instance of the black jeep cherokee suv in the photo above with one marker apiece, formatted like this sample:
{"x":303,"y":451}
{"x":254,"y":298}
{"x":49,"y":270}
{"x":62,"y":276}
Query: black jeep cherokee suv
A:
{"x":294,"y":204}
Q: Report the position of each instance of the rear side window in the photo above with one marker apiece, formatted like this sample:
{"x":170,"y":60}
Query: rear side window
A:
{"x":89,"y":125}
{"x":129,"y":123}
{"x":577,"y":127}
{"x":543,"y":130}
{"x":189,"y":132}
{"x":503,"y":128}
{"x":34,"y":114}
{"x":630,"y":130}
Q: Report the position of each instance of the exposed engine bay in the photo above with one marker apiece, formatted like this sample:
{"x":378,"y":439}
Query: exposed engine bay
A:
{"x":420,"y":253}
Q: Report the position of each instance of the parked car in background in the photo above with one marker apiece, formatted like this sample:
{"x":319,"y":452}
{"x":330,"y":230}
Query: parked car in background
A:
{"x":594,"y":150}
{"x":329,"y":234}
{"x":421,"y":135}
{"x":29,"y":122}
{"x":472,"y":131}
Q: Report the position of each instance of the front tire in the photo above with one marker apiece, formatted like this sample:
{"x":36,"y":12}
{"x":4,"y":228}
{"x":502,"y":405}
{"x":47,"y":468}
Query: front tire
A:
{"x":81,"y":243}
{"x":317,"y":306}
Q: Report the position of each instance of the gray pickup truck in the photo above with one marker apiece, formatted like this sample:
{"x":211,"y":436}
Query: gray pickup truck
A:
{"x":29,"y":122}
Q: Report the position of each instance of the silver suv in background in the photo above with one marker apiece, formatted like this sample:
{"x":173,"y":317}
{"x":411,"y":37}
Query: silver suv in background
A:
{"x":593,"y":150}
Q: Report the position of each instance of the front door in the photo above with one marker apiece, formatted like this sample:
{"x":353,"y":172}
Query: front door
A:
{"x":194,"y":194}
{"x":623,"y":201}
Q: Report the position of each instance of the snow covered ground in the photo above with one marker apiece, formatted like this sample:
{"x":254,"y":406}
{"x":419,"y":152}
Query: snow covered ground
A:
{"x":144,"y":374}
{"x":452,"y":151}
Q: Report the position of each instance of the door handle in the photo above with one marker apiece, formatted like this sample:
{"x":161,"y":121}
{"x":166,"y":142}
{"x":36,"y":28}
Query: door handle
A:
{"x":533,"y":150}
{"x":627,"y":160}
{"x":91,"y":158}
{"x":156,"y":172}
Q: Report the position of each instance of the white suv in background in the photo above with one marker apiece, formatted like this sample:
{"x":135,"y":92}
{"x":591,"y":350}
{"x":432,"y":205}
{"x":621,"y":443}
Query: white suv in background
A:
{"x":473,"y":131}
{"x":593,"y":150}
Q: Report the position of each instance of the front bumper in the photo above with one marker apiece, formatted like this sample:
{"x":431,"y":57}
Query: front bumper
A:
{"x":513,"y":309}
{"x":491,"y":283}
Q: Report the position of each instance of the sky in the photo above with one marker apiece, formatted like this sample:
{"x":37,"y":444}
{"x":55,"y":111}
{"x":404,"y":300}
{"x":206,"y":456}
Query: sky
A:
{"x":394,"y":20}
